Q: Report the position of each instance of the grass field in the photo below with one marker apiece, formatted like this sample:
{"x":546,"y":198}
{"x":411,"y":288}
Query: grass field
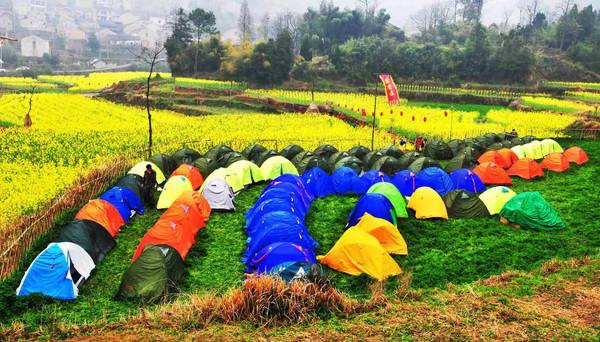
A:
{"x":440,"y":253}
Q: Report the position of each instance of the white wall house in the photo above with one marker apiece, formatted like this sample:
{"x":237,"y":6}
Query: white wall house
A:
{"x":34,"y":46}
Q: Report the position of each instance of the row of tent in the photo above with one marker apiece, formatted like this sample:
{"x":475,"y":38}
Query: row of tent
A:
{"x":62,"y":268}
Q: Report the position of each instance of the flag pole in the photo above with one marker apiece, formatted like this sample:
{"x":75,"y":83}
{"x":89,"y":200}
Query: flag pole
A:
{"x":374,"y":117}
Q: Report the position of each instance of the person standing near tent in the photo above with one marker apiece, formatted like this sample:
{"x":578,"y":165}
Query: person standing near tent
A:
{"x":419,"y":144}
{"x":148,"y":185}
{"x":514,"y":133}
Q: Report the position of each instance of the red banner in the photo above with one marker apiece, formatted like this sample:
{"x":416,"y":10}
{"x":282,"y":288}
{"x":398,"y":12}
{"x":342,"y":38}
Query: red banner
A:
{"x":390,"y":89}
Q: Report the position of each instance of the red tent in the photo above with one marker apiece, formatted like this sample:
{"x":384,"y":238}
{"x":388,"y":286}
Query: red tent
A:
{"x":490,"y":173}
{"x":556,"y":162}
{"x":103,"y":213}
{"x":496,"y":158}
{"x":576,"y":155}
{"x":509,"y":155}
{"x":526,"y":168}
{"x":192,"y":173}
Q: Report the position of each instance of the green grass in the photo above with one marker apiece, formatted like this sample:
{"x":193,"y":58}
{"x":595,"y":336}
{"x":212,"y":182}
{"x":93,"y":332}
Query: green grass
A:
{"x":457,"y":251}
{"x":482,"y":109}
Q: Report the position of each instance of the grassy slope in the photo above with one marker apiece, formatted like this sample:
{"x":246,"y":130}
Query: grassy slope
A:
{"x":458,"y":251}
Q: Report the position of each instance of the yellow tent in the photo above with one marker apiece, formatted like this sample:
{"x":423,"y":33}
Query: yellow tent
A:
{"x":519,"y":151}
{"x":246,"y":171}
{"x":175,"y":186}
{"x":533,"y":150}
{"x":140,"y":168}
{"x":428,"y":204}
{"x":232,"y":179}
{"x":495,"y":198}
{"x":550,"y":146}
{"x":357,"y":252}
{"x":385,"y":232}
{"x":277,"y":166}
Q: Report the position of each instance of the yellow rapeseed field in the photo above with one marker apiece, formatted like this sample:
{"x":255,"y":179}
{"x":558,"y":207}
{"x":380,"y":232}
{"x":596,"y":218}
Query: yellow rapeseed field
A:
{"x":95,"y":81}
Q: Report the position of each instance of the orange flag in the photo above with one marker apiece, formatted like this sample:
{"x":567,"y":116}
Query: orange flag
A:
{"x":390,"y":89}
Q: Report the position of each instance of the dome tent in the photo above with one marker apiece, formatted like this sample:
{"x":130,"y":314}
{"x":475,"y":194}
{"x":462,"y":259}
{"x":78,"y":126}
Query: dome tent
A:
{"x":427,"y":204}
{"x":533,"y":150}
{"x":530,"y":210}
{"x":253,"y":151}
{"x":275,"y":204}
{"x":131,"y":182}
{"x":230,"y":158}
{"x":206,"y":166}
{"x":125,"y":201}
{"x":526,"y":168}
{"x":345,"y":180}
{"x":496,"y":158}
{"x":352,"y":162}
{"x":495,"y":198}
{"x":277,"y":166}
{"x":297,"y":182}
{"x":219,"y":195}
{"x":464,"y":204}
{"x":471,"y":152}
{"x":295,"y":270}
{"x":490,"y":173}
{"x":319,"y":182}
{"x":550,"y":146}
{"x":371,"y":158}
{"x":438,"y":149}
{"x":217,"y":151}
{"x":90,"y":236}
{"x":191,"y":173}
{"x":519,"y":151}
{"x":406,"y":182}
{"x":456,"y":145}
{"x":576,"y":155}
{"x":312,"y":162}
{"x":291,"y":151}
{"x":231,"y":177}
{"x":165,"y":163}
{"x":103,"y":213}
{"x":264,"y":156}
{"x":461,"y":161}
{"x":278,"y":232}
{"x":154,"y":275}
{"x":464,"y":179}
{"x":277,"y":254}
{"x":371,"y":178}
{"x":556,"y":162}
{"x":357,"y":252}
{"x":140,"y":168}
{"x":336,"y":157}
{"x":376,"y":205}
{"x":388,"y":235}
{"x":185,"y":156}
{"x":174,"y":187}
{"x":359,"y":151}
{"x":435,"y":178}
{"x":246,"y":171}
{"x":393,"y":195}
{"x":392,"y":151}
{"x":509,"y":155}
{"x":325,"y":151}
{"x":422,"y":164}
{"x":301,"y":156}
{"x":387,"y":165}
{"x":297,"y":188}
{"x":409,"y":158}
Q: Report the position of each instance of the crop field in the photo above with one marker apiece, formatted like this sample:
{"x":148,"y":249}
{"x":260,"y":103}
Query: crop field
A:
{"x":556,"y":105}
{"x":573,"y":85}
{"x":584,"y":96}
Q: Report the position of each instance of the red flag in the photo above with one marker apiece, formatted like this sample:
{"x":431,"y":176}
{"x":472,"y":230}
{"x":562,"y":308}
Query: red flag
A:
{"x":390,"y":89}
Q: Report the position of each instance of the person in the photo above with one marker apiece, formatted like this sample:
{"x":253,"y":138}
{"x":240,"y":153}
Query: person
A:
{"x":514,"y":133}
{"x":149,"y":185}
{"x":419,"y":144}
{"x":425,"y":142}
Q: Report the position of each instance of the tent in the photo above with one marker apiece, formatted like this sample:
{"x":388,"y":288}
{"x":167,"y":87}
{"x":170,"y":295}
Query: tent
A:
{"x":496,"y":158}
{"x":352,"y":162}
{"x":527,"y":139}
{"x":345,"y":180}
{"x":278,"y":253}
{"x":438,"y":149}
{"x":92,"y":237}
{"x":206,"y":166}
{"x":461,"y":161}
{"x":576,"y":155}
{"x":319,"y":182}
{"x":265,"y":218}
{"x":406,"y":182}
{"x":465,"y":204}
{"x":456,"y":145}
{"x":131,"y":182}
{"x":311,"y":162}
{"x":247,"y":172}
{"x":165,"y":163}
{"x":495,"y":198}
{"x":387,"y":165}
{"x":297,"y":188}
{"x":297,"y":270}
{"x":104,"y":214}
{"x":230,"y":177}
{"x":219,"y":195}
{"x":374,"y":204}
{"x":217,"y":151}
{"x":435,"y":178}
{"x":427,"y":204}
{"x":256,"y":213}
{"x":278,"y":232}
{"x":464,"y":179}
{"x":140,"y":168}
{"x":277,"y":166}
{"x":533,"y":150}
{"x":291,"y":151}
{"x":509,"y":155}
{"x":473,"y":152}
{"x":392,"y":151}
{"x":357,"y":252}
{"x":530,"y":210}
{"x":57,"y":272}
{"x":556,"y":162}
{"x":174,"y":187}
{"x":229,"y":158}
{"x":300,"y":157}
{"x":386,"y":233}
{"x":253,"y":151}
{"x":526,"y":168}
{"x":191,"y":173}
{"x":368,"y":179}
{"x":265,"y":156}
{"x":359,"y":151}
{"x":371,"y":158}
{"x":519,"y":151}
{"x":125,"y":201}
{"x":280,"y":193}
{"x":551,"y":146}
{"x":325,"y":151}
{"x":337,"y":157}
{"x":185,"y":156}
{"x":153,"y":276}
{"x":490,"y":173}
{"x":298,"y":182}
{"x":422,"y":164}
{"x":393,"y":195}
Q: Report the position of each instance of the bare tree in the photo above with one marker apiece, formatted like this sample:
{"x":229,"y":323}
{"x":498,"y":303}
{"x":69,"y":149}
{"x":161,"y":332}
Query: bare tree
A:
{"x":150,"y":56}
{"x":27,"y":121}
{"x":564,"y":7}
{"x":368,"y":6}
{"x":245,"y":23}
{"x":506,"y":16}
{"x":264,"y":30}
{"x":529,"y":9}
{"x":433,"y":17}
{"x":290,"y":22}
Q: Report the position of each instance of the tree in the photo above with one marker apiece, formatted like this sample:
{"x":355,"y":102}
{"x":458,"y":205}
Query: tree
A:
{"x":204,"y":23}
{"x":264,"y":30}
{"x":180,"y":38}
{"x":567,"y":30}
{"x":93,"y":43}
{"x":514,"y":60}
{"x":245,"y":23}
{"x":477,"y":54}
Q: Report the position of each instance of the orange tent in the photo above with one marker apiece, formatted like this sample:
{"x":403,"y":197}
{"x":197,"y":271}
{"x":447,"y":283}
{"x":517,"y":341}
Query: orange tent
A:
{"x":526,"y":168}
{"x":192,"y":173}
{"x":509,"y":155}
{"x":556,"y":162}
{"x":490,"y":173}
{"x":496,"y":158}
{"x":178,"y":226}
{"x":103,"y":213}
{"x":576,"y":155}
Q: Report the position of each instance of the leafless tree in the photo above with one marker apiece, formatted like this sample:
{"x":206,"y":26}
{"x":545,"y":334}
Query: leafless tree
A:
{"x":368,"y":6}
{"x":433,"y":17}
{"x":27,"y":121}
{"x":529,"y":9}
{"x":506,"y":16}
{"x":290,"y":22}
{"x":245,"y":23}
{"x":564,"y":7}
{"x":150,"y":57}
{"x":264,"y":30}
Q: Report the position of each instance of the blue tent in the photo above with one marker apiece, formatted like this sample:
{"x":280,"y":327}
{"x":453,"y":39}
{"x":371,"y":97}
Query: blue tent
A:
{"x":376,"y":205}
{"x":290,"y":271}
{"x":277,"y":254}
{"x":125,"y":201}
{"x":299,"y":182}
{"x":278,"y":232}
{"x":373,"y":177}
{"x":435,"y":178}
{"x":468,"y":180}
{"x":319,"y":182}
{"x":406,"y":182}
{"x":345,"y":180}
{"x":292,"y":188}
{"x":270,"y":205}
{"x":282,"y":194}
{"x":271,"y":218}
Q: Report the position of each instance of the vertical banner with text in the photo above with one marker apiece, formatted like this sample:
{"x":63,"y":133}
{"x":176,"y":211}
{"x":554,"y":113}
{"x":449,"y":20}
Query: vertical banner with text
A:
{"x":390,"y":89}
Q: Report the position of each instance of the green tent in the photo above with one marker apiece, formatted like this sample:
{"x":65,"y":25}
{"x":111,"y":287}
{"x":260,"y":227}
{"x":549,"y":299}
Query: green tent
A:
{"x":300,"y":157}
{"x":336,"y":157}
{"x":247,"y":172}
{"x":352,"y":162}
{"x":291,"y":151}
{"x":527,"y":139}
{"x":253,"y":151}
{"x":206,"y":166}
{"x":464,"y":204}
{"x":530,"y":210}
{"x":422,"y":163}
{"x":154,"y":276}
{"x":393,"y":194}
{"x":371,"y":158}
{"x":392,"y":151}
{"x":461,"y":161}
{"x":325,"y":151}
{"x":495,"y":147}
{"x":165,"y":163}
{"x":456,"y":145}
{"x":438,"y":149}
{"x":216,"y":152}
{"x":517,"y":141}
{"x":533,"y":150}
{"x":277,"y":166}
{"x":264,"y":156}
{"x":359,"y":151}
{"x":550,"y":146}
{"x":311,"y":162}
{"x":230,"y":158}
{"x":388,"y":165}
{"x":519,"y":150}
{"x":186,"y":156}
{"x":409,"y":158}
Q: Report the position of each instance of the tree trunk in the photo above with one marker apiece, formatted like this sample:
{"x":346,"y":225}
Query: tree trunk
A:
{"x":148,"y":109}
{"x":197,"y":53}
